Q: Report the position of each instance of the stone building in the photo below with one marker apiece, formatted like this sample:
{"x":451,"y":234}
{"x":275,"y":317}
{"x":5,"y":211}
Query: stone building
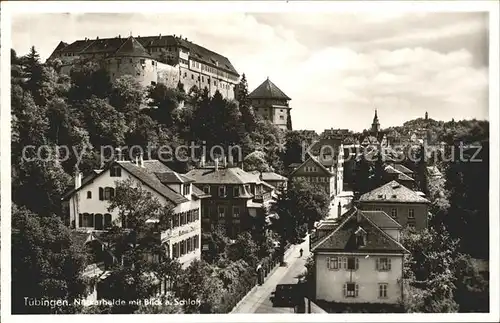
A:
{"x":272,"y":104}
{"x":154,"y":59}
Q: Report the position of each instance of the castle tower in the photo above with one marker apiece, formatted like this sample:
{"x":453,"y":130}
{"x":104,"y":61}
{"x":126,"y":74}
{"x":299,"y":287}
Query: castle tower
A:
{"x":271,"y":103}
{"x":375,"y":123}
{"x":426,"y":116}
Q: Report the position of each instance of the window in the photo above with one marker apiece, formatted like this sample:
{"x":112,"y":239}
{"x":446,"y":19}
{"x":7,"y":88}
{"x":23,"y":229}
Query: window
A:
{"x":351,"y":290}
{"x":222,"y":190}
{"x":192,"y":76}
{"x":143,"y":61}
{"x":215,"y":82}
{"x":352,"y":263}
{"x":89,"y":194}
{"x":332,"y":263}
{"x":176,"y":220}
{"x":236,"y":211}
{"x":382,"y":290}
{"x":109,"y":192}
{"x":222,"y":212}
{"x":107,"y":220}
{"x":206,"y":189}
{"x":153,"y":63}
{"x":236,"y":191}
{"x":378,"y":209}
{"x":115,"y":171}
{"x":153,"y":83}
{"x":384,"y":264}
{"x":185,"y":189}
{"x":411,"y":214}
{"x":394,"y":213}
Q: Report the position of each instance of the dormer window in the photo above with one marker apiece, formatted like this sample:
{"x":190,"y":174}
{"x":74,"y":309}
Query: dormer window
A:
{"x":206,"y":189}
{"x":360,"y":237}
{"x":236,"y":191}
{"x":222,"y":190}
{"x":115,"y":171}
{"x":186,"y":189}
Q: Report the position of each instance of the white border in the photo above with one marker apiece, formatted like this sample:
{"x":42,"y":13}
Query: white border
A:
{"x":8,"y":8}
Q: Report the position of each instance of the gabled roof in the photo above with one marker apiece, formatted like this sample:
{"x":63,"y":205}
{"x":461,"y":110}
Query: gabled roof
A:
{"x":172,"y":178}
{"x":343,"y":238}
{"x":131,"y":48}
{"x":269,"y":176}
{"x":230,"y":175}
{"x":381,"y":219}
{"x":401,"y":176}
{"x":316,"y":161}
{"x":392,"y":192}
{"x":268,"y":90}
{"x":145,"y":174}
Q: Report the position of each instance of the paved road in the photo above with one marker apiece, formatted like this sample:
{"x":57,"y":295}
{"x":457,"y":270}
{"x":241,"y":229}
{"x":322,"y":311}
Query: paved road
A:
{"x":259,"y":300}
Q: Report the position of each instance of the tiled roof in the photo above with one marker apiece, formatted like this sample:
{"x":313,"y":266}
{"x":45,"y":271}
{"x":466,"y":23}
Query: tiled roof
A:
{"x":401,"y":176}
{"x":392,"y":192}
{"x":131,"y":48}
{"x":269,"y":176}
{"x":403,"y":169}
{"x":152,"y":181}
{"x":343,"y":238}
{"x":268,"y":90}
{"x":111,"y":45}
{"x":173,"y":177}
{"x":316,"y":161}
{"x":231,"y":175}
{"x":199,"y":193}
{"x":381,"y":219}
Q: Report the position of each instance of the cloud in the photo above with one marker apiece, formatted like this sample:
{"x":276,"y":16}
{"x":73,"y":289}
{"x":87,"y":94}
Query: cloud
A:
{"x":337,"y":68}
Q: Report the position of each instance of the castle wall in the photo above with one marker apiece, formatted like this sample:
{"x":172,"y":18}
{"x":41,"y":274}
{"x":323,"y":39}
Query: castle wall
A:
{"x":144,"y":70}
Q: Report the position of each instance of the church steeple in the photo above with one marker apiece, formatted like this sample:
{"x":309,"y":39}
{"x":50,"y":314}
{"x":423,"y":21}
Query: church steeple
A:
{"x":375,"y":123}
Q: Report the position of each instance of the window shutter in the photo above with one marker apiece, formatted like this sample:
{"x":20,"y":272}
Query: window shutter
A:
{"x":377,"y":266}
{"x":344,"y":262}
{"x":328,"y":263}
{"x":357,"y":264}
{"x":388,"y":263}
{"x":80,"y":220}
{"x":345,"y":290}
{"x":356,"y":290}
{"x":101,"y":193}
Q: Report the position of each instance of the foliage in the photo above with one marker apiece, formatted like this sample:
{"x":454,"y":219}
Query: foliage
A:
{"x":46,"y":263}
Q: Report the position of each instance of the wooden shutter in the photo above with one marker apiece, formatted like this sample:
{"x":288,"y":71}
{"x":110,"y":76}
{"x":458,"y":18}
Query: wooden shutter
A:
{"x":356,"y":290}
{"x":80,"y":220}
{"x":101,"y":193}
{"x":345,"y":290}
{"x":388,"y":263}
{"x":377,"y":264}
{"x":356,"y":266}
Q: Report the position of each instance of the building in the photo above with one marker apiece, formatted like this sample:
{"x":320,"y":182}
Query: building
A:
{"x":170,"y":59}
{"x":358,"y":259}
{"x":393,"y":173}
{"x":236,"y":197}
{"x":272,"y":104}
{"x":279,"y":182}
{"x":404,"y":205}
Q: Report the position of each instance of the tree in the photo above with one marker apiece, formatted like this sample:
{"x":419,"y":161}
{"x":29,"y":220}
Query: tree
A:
{"x":200,"y":281}
{"x":46,"y":263}
{"x":89,"y":79}
{"x":127,"y":96}
{"x":247,"y":114}
{"x":243,"y":248}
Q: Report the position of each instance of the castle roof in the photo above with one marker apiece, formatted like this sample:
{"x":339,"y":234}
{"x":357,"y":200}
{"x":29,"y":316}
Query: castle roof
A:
{"x":268,"y":90}
{"x":132,"y":48}
{"x":392,"y":192}
{"x":112,"y":45}
{"x":343,"y":237}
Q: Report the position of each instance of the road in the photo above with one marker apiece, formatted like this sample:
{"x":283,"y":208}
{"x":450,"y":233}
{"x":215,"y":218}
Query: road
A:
{"x":260,"y":299}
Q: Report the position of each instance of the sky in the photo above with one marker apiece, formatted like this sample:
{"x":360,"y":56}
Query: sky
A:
{"x":337,"y":67}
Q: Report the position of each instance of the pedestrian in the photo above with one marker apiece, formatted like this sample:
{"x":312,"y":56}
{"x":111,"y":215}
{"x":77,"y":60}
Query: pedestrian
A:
{"x":301,"y":252}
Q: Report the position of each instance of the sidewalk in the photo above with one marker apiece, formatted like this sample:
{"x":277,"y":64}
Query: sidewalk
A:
{"x":260,"y":295}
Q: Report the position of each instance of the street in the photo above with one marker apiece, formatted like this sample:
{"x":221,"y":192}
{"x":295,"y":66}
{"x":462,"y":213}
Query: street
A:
{"x":260,"y":299}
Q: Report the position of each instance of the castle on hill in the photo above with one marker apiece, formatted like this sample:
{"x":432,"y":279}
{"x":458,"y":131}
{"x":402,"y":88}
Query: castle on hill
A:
{"x":171,"y":60}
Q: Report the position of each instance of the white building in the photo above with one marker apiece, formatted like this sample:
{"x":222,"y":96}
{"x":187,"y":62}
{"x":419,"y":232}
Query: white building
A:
{"x":87,"y":205}
{"x":359,"y":259}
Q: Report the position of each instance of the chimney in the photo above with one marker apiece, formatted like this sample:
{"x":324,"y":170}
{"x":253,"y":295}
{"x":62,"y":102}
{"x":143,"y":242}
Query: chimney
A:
{"x":119,"y":36}
{"x":97,"y":38}
{"x":202,"y":161}
{"x":118,"y":154}
{"x":231,"y":161}
{"x":78,"y":178}
{"x":141,"y":160}
{"x":216,"y":164}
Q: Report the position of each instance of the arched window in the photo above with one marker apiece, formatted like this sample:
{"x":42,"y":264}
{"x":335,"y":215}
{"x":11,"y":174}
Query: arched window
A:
{"x":107,"y":220}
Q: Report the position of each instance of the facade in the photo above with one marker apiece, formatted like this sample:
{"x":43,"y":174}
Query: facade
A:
{"x":167,"y":59}
{"x":236,"y":197}
{"x":313,"y":170}
{"x":279,"y":182}
{"x":272,"y":104}
{"x":359,"y":259}
{"x":404,"y":205}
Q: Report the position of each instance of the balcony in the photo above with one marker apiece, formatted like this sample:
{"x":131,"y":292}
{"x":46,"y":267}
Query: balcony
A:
{"x":263,"y":197}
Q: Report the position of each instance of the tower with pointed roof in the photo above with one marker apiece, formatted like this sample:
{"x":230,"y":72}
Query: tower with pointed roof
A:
{"x":272,"y":104}
{"x":375,"y":124}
